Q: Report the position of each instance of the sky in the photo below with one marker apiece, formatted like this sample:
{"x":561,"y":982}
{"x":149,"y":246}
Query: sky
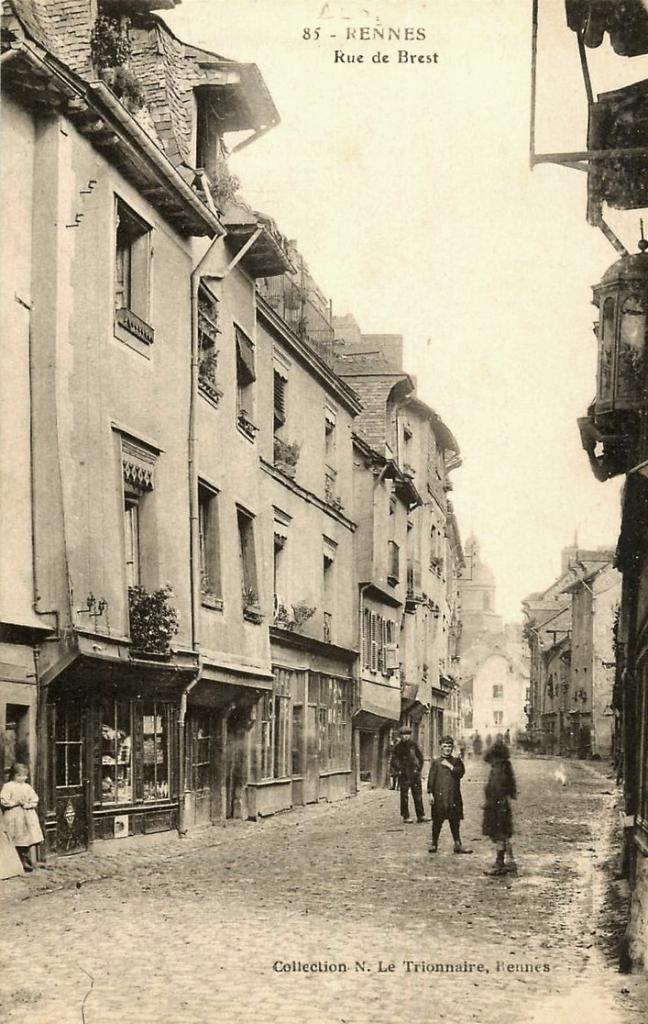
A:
{"x":408,"y":190}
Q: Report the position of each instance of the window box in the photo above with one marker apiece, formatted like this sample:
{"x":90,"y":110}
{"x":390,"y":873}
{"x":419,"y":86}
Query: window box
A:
{"x":246,"y":426}
{"x":299,"y":614}
{"x":408,"y":471}
{"x":286,"y":457}
{"x":211,"y":601}
{"x":131,"y":323}
{"x":251,"y":608}
{"x":252,"y":613}
{"x":335,"y":501}
{"x":207,"y":376}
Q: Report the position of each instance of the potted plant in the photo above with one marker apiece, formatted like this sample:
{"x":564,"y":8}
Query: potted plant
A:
{"x":302,"y":612}
{"x":335,"y":501}
{"x":251,"y":610}
{"x":153,"y":620}
{"x":286,"y":456}
{"x":246,"y":425}
{"x":111,"y":50}
{"x":207,"y":374}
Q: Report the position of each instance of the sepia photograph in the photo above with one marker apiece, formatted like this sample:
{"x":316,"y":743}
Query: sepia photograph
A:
{"x":323,"y":523}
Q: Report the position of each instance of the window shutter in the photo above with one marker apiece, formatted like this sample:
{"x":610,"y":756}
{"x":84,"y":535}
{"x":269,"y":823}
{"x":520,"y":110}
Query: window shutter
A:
{"x":245,"y":358}
{"x":279,"y":400}
{"x":374,"y":642}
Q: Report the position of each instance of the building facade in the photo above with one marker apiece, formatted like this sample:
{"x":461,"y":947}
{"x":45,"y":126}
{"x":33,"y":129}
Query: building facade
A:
{"x":220,"y":590}
{"x":493,"y":671}
{"x":410,"y":433}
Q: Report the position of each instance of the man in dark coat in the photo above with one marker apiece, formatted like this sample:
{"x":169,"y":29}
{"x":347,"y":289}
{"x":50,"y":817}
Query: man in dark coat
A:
{"x":406,"y":763}
{"x":444,"y":787}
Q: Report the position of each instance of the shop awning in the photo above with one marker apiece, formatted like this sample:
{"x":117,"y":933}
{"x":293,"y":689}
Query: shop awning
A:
{"x":383,"y":702}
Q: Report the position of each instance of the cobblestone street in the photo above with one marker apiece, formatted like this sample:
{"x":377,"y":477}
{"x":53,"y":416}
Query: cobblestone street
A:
{"x":170,"y":930}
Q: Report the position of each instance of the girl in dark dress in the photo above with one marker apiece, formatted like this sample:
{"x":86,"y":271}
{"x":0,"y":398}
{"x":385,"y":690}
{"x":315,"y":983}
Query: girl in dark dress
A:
{"x":498,"y":818}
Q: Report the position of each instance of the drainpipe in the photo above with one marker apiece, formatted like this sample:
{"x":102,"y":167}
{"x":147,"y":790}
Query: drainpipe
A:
{"x":192,"y":465}
{"x":182,"y":830}
{"x":355,"y":733}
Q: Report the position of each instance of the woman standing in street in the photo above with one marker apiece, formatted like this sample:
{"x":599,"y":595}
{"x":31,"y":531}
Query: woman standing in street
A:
{"x":498,"y":818}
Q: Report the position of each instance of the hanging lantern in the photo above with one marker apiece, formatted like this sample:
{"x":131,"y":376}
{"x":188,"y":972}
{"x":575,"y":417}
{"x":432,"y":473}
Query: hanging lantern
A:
{"x":610,"y":431}
{"x":622,"y":300}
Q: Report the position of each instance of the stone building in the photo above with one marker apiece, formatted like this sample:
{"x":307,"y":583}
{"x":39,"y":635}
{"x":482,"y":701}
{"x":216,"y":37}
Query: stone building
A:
{"x":153,"y":660}
{"x":395,"y":421}
{"x":492,"y":669}
{"x":569,"y":629}
{"x":614,"y":428}
{"x":222,"y":585}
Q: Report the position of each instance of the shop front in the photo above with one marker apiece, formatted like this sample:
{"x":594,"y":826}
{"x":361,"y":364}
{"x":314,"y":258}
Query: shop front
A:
{"x":219,"y":750}
{"x":301,"y":738}
{"x":374,"y":725}
{"x":111,"y":758}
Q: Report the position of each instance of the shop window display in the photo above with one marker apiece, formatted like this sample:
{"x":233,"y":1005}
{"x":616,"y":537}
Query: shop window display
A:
{"x":133,"y":763}
{"x":155,"y":752}
{"x":116,"y":753}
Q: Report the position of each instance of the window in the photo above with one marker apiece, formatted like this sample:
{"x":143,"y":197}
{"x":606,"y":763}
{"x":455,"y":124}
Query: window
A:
{"x":245,"y":378}
{"x":279,"y":416}
{"x":278,"y":751}
{"x":280,"y":573}
{"x":209,"y":533}
{"x":498,"y":717}
{"x":267,"y":712}
{"x":297,"y":739}
{"x":133,"y":752}
{"x":208,"y":332}
{"x":132,"y":539}
{"x":374,"y":642}
{"x":366,"y":639}
{"x":69,"y":746}
{"x":328,"y":564}
{"x":334,"y":723}
{"x":498,"y":691}
{"x":329,"y":432}
{"x":248,"y":557}
{"x":155,"y":752}
{"x":132,"y":271}
{"x":138,"y":465}
{"x":116,"y":781}
{"x":393,"y":570}
{"x":200,"y":762}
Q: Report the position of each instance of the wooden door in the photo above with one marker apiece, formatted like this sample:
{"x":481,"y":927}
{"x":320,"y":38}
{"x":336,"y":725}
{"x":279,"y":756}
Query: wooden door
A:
{"x":199,"y":771}
{"x":311,"y":773}
{"x":69,"y":777}
{"x":235,"y":762}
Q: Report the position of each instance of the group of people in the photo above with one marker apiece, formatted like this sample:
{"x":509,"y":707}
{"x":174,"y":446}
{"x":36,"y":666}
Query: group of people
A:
{"x":444,"y":790}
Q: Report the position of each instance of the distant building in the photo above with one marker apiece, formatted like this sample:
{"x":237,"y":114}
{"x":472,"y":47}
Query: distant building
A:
{"x":570,"y":633}
{"x":492,"y":669}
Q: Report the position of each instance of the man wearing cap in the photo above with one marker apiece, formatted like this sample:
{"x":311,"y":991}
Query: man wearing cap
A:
{"x":444,"y":787}
{"x":407,"y":762}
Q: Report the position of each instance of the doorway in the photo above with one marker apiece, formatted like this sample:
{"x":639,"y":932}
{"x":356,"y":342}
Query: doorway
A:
{"x":16,"y":738}
{"x":235,"y":762}
{"x":70,"y":800}
{"x":199,"y":772}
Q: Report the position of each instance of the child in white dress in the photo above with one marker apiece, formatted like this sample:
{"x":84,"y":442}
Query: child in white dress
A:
{"x":20,"y":820}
